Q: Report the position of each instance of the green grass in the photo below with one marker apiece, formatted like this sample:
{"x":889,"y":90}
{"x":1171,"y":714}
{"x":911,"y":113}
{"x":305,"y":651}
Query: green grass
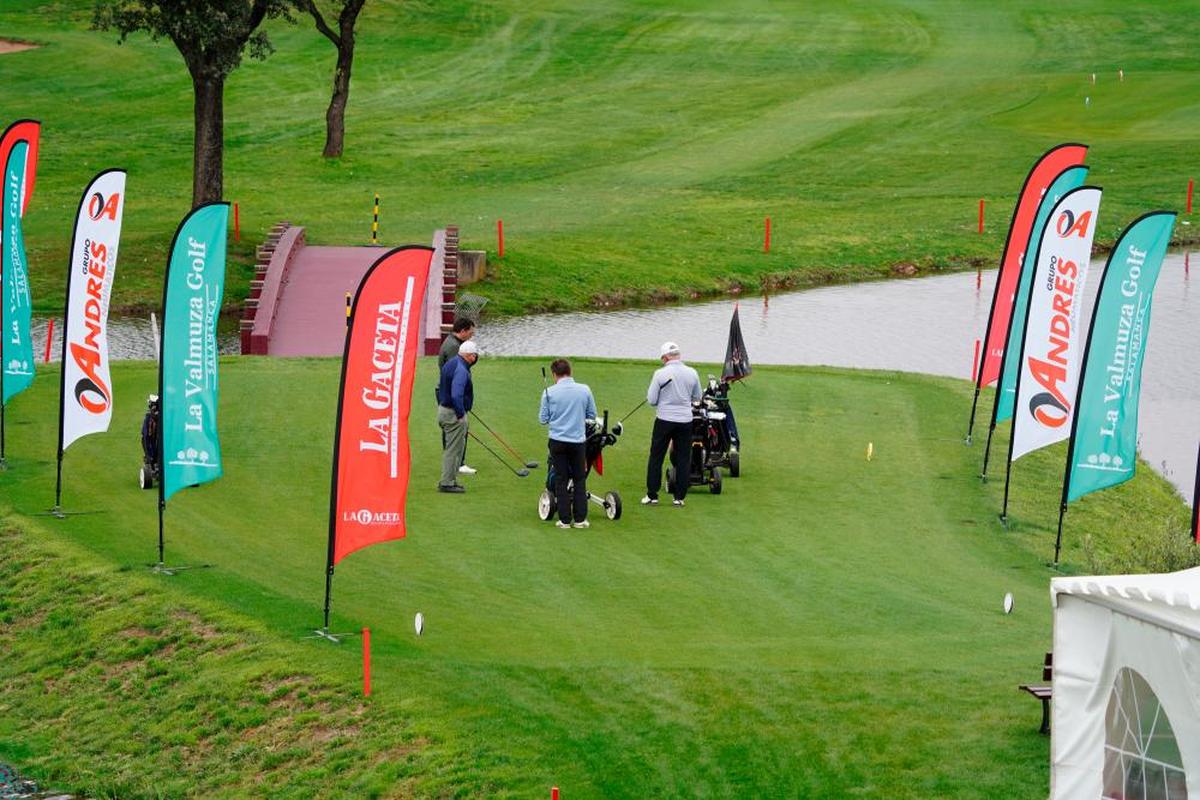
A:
{"x":632,"y":148}
{"x":827,"y":627}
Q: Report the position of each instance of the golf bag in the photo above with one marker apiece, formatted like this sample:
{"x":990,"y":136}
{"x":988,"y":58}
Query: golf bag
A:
{"x":598,"y":437}
{"x":724,"y":444}
{"x":151,"y":471}
{"x":710,"y":448}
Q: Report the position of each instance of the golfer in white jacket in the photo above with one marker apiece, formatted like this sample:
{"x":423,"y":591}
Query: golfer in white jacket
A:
{"x":672,"y":391}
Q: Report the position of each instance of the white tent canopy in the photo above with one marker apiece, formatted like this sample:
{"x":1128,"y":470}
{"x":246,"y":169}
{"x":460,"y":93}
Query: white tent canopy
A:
{"x":1125,"y":718}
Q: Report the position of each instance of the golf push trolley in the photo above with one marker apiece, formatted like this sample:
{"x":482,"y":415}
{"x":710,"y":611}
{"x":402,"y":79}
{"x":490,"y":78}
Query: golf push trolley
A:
{"x":715,"y":440}
{"x":598,"y":437}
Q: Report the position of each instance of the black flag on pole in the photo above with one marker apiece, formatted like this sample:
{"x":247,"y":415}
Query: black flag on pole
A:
{"x":737,"y":361}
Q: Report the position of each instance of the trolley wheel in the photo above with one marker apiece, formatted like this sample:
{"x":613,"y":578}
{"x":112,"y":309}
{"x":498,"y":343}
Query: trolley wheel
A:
{"x":714,"y":483}
{"x":670,"y":480}
{"x":612,"y":505}
{"x":735,"y":464}
{"x":145,"y":479}
{"x":547,"y":505}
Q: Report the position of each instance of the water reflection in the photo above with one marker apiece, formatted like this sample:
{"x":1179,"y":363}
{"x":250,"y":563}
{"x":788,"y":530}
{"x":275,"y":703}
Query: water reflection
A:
{"x":129,"y":338}
{"x":921,"y":325}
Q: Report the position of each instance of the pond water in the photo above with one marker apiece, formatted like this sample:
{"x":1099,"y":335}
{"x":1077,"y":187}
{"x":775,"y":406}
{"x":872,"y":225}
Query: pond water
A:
{"x":918,"y":325}
{"x":130,"y":338}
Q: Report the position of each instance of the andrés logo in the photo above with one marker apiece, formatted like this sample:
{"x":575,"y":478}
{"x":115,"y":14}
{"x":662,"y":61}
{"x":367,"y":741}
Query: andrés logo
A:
{"x":1051,"y":407}
{"x":1066,"y":225}
{"x":91,"y":391}
{"x":99,"y":207}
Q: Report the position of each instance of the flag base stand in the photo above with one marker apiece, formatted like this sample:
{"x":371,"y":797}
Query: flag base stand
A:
{"x":1004,"y":521}
{"x":968,"y":441}
{"x":58,"y":512}
{"x":162,"y":569}
{"x":3,"y":465}
{"x":323,"y":633}
{"x":983,"y":478}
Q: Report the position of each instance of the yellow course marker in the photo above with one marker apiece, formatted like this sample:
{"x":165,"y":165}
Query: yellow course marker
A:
{"x":870,"y":450}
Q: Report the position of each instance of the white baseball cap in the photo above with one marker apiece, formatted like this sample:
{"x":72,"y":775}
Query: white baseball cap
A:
{"x":468,"y":347}
{"x":669,"y":349}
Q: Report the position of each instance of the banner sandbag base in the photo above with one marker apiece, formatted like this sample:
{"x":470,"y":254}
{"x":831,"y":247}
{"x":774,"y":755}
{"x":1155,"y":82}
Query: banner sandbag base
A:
{"x":162,"y":569}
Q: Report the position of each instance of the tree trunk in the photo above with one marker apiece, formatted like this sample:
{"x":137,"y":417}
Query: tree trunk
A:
{"x":209,"y":147}
{"x":335,"y":116}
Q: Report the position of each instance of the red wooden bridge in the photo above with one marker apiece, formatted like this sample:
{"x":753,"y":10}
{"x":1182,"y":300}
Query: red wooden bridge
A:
{"x":297,"y":303}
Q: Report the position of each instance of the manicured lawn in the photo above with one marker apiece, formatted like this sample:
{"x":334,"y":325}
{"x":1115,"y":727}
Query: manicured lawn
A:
{"x":827,"y":627}
{"x":632,"y":148}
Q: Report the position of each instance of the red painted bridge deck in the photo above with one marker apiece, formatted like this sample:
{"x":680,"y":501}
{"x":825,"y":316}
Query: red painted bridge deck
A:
{"x":297,"y":303}
{"x":310,"y":319}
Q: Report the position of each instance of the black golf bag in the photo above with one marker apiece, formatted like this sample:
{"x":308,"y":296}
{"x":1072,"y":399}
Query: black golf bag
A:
{"x":724,"y":444}
{"x":151,"y":471}
{"x":708,"y":437}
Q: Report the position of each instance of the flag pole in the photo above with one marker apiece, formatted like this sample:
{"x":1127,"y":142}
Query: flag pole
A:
{"x":62,"y":364}
{"x":1196,"y":502}
{"x":333,"y":473}
{"x":1012,"y":438}
{"x":1082,"y":380}
{"x":1062,"y":512}
{"x":159,"y":434}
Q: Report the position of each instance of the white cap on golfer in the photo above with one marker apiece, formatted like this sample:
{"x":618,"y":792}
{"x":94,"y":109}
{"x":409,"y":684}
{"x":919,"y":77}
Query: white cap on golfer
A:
{"x":669,"y":349}
{"x":468,"y":347}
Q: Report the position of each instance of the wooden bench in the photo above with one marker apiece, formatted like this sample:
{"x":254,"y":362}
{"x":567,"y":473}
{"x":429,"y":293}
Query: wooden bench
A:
{"x":1042,"y":691}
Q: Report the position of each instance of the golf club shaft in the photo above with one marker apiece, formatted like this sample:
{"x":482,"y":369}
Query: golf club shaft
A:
{"x":639,"y":405}
{"x":500,"y":439}
{"x":499,"y":458}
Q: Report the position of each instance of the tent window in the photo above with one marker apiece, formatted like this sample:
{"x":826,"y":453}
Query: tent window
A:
{"x":1141,"y":757}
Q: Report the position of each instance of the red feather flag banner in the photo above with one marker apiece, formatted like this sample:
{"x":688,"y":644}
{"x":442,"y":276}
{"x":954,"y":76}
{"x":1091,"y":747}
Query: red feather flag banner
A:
{"x":1048,"y":167}
{"x":369,"y":485}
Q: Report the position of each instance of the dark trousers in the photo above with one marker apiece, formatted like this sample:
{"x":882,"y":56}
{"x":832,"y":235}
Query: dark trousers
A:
{"x":570,"y":464}
{"x":679,"y":436}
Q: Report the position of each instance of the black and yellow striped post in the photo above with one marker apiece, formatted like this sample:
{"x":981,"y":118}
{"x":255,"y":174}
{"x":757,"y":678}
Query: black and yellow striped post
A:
{"x":375,"y":223}
{"x":347,"y":309}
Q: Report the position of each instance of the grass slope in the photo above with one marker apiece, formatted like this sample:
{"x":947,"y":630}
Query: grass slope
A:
{"x":827,"y":627}
{"x":632,"y":148}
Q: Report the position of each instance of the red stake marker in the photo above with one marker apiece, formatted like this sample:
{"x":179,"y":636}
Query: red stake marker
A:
{"x":767,"y":236}
{"x":366,"y":637}
{"x":49,"y":338}
{"x":981,"y":215}
{"x":554,"y":793}
{"x":237,"y":224}
{"x":975,"y":363}
{"x":500,"y":237}
{"x":1191,"y":186}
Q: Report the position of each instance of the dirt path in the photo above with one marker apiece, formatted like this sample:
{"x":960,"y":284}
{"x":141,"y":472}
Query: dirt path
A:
{"x":10,"y":46}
